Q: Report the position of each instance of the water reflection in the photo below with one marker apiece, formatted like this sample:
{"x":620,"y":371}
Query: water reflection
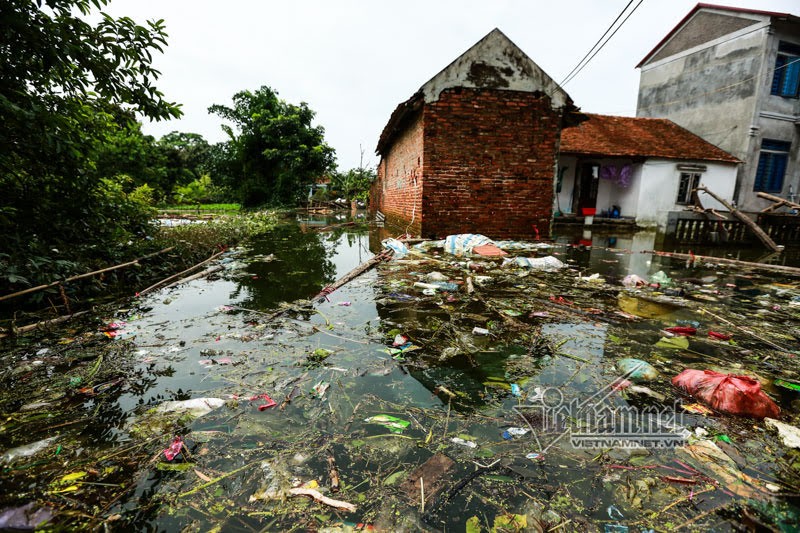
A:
{"x":458,"y":384}
{"x":285,"y":265}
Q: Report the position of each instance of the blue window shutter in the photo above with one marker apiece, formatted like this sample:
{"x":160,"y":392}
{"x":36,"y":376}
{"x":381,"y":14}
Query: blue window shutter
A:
{"x":761,"y":172}
{"x":792,"y":78}
{"x":778,"y":75}
{"x":778,"y":171}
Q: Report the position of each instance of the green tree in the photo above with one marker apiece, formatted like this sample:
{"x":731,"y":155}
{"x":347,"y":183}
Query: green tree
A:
{"x":127,"y":151}
{"x":276,"y":152}
{"x":63,"y":83}
{"x":185,"y":157}
{"x":355,"y":183}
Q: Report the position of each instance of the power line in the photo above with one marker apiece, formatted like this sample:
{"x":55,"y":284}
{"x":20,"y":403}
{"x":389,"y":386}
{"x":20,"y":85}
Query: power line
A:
{"x":595,"y":44}
{"x":583,"y":62}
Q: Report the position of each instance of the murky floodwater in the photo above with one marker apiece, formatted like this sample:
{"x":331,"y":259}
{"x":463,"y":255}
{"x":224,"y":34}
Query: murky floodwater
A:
{"x":422,"y":420}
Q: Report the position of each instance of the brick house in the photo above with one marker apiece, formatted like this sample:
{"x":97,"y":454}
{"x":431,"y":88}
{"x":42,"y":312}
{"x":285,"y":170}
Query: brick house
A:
{"x":474,"y":150}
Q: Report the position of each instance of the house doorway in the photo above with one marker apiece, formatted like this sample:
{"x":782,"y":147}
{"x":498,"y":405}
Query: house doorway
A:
{"x":586,"y":185}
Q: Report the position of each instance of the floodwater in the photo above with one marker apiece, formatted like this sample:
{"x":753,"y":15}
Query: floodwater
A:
{"x":507,"y":431}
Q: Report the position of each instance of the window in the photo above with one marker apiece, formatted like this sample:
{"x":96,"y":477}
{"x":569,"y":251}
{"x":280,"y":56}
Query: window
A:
{"x":689,"y":181}
{"x":771,"y":165}
{"x":786,"y":81}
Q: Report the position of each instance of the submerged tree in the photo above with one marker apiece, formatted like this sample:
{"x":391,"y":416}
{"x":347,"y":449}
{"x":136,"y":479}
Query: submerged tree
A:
{"x":276,"y":152}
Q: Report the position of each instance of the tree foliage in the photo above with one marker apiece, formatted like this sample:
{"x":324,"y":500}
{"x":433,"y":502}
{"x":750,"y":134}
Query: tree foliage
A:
{"x":65,"y":83}
{"x":61,"y":74}
{"x":186,"y":157}
{"x":129,"y":152}
{"x":275,"y":152}
{"x":353,"y":184}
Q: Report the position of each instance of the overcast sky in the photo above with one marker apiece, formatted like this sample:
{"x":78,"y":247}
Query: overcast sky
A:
{"x":354,"y":61}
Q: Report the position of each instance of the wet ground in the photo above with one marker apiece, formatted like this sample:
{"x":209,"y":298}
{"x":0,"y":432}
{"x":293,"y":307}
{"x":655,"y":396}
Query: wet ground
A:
{"x":411,"y":407}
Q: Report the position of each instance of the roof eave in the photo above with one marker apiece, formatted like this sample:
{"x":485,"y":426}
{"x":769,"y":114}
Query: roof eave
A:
{"x":584,"y":153}
{"x":698,"y":7}
{"x":397,"y":120}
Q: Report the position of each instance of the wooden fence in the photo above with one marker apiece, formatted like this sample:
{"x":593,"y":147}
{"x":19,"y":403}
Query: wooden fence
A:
{"x":696,"y":228}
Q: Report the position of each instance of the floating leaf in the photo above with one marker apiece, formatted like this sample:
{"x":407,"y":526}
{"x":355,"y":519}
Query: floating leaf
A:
{"x":394,"y":478}
{"x":510,"y":522}
{"x":673,"y":343}
{"x":73,"y":476}
{"x":174,"y":467}
{"x":474,"y":525}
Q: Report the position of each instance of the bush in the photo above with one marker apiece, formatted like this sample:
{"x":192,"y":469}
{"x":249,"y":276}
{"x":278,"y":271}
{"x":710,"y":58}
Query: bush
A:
{"x":201,"y":190}
{"x":143,"y":194}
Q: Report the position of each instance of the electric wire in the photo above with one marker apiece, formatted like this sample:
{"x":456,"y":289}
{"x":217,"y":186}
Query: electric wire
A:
{"x":595,"y":44}
{"x":578,"y":71}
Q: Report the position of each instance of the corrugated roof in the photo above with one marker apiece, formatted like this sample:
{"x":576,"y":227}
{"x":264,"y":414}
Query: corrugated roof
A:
{"x":604,"y":135}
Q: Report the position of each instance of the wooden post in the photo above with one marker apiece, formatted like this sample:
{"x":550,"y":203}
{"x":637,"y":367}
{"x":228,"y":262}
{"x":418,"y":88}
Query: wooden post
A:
{"x":768,"y":242}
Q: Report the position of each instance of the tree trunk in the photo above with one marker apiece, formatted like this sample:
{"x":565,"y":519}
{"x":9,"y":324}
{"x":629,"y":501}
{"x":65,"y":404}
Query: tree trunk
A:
{"x":768,"y":242}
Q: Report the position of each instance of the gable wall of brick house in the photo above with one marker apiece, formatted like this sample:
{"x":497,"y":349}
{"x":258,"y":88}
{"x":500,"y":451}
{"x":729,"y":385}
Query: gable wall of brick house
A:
{"x":490,"y":159}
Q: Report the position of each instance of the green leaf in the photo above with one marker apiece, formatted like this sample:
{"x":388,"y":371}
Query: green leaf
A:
{"x":673,"y":343}
{"x":474,"y":525}
{"x":394,"y":478}
{"x":509,"y":522}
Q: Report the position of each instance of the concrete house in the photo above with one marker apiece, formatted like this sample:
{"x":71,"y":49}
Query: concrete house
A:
{"x":639,"y":168}
{"x":732,"y":76}
{"x":475,"y":148}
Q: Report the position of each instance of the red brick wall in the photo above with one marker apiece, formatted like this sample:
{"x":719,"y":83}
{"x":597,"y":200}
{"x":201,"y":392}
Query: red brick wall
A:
{"x":397,"y":192}
{"x":490,"y":159}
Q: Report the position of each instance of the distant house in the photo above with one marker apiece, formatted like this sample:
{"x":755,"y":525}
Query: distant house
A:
{"x":642,"y":168}
{"x":475,"y":148}
{"x":732,"y":76}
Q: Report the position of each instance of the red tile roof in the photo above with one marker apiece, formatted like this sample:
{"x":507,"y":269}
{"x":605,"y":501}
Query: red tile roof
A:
{"x":604,"y":135}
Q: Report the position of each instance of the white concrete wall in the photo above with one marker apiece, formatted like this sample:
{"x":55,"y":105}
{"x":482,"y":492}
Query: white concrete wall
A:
{"x":564,"y":198}
{"x":610,"y":194}
{"x":660,"y":179}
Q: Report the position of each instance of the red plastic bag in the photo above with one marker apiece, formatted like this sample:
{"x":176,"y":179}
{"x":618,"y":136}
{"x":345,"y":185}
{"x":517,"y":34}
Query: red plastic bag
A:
{"x":727,"y":393}
{"x":681,"y":330}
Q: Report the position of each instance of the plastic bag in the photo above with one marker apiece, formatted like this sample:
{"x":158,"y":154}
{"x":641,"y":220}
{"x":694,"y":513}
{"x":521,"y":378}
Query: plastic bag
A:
{"x":636,"y":369}
{"x":548,"y":263}
{"x":661,"y":278}
{"x":464,"y":243}
{"x":397,"y":246}
{"x":727,"y":393}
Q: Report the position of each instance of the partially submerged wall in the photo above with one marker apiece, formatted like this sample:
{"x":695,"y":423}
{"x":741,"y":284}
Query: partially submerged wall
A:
{"x":397,"y":192}
{"x":490,"y":159}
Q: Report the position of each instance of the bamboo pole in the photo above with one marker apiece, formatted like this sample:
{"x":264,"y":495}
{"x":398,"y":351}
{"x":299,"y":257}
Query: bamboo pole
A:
{"x":42,"y":324}
{"x":81,"y":276}
{"x":204,"y":273}
{"x":179,"y":274}
{"x":768,"y":242}
{"x":353,"y":274}
{"x":794,"y":271}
